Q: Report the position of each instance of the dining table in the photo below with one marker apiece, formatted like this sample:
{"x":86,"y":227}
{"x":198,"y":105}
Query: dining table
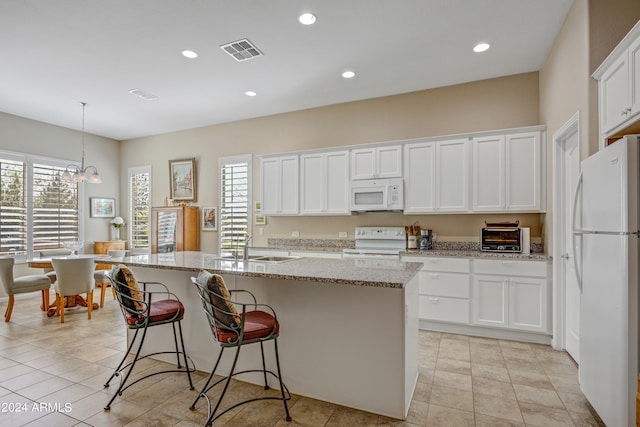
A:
{"x":71,"y":300}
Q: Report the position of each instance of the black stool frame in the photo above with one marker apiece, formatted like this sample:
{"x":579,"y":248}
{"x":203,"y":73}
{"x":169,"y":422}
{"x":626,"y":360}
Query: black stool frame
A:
{"x":216,"y":327}
{"x":123,"y":293}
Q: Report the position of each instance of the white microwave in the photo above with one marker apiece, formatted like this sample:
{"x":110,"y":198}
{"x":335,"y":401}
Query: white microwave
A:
{"x":377,"y":195}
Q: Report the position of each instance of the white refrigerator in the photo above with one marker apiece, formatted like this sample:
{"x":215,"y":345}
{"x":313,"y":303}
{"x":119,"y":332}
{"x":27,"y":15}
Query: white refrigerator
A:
{"x":606,"y":245}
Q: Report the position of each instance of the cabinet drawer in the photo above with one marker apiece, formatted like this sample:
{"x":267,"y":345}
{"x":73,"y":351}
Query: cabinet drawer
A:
{"x":510,"y":267}
{"x":306,"y":254}
{"x":444,"y":284}
{"x":456,"y":265}
{"x":444,"y":309}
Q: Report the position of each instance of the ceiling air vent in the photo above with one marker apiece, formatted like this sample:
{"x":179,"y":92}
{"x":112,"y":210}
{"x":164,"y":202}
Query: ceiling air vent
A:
{"x":142,"y":94}
{"x":241,"y":50}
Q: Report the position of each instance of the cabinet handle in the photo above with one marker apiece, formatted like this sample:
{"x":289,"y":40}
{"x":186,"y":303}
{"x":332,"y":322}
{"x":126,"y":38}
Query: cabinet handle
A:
{"x":434,"y":300}
{"x":507,"y":263}
{"x":628,"y":109}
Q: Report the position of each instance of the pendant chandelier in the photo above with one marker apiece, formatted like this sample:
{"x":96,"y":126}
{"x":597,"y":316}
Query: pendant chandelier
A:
{"x":82,"y":174}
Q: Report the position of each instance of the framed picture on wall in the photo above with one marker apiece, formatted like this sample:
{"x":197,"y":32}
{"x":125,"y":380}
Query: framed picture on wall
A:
{"x":101,"y":207}
{"x":182,"y":176}
{"x":260,"y":220}
{"x":209,"y":219}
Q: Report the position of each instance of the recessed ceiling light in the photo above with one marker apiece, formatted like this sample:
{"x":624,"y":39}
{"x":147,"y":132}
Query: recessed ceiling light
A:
{"x":250,"y":93}
{"x":481,"y":47}
{"x":307,"y":19}
{"x":189,"y":54}
{"x":348,"y":74}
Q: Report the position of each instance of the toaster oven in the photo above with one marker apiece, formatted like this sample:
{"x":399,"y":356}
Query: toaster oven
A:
{"x":501,"y":239}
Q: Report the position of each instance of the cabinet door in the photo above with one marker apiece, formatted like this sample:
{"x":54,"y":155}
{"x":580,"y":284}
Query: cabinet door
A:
{"x":488,"y":173}
{"x":490,"y":301}
{"x":389,"y":162}
{"x":528,"y":304}
{"x":289,"y":185}
{"x":634,"y":72}
{"x":270,"y":186}
{"x":337,"y":183}
{"x":313,"y":184}
{"x":524,"y":172}
{"x":614,"y":95}
{"x":420,"y":178}
{"x":279,"y":185}
{"x":452,"y":176}
{"x":363,"y":163}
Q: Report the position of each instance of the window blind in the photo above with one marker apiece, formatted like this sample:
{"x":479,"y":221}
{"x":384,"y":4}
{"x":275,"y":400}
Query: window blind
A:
{"x":140,"y":207}
{"x":13,"y":210}
{"x":234,"y":214}
{"x":55,"y":208}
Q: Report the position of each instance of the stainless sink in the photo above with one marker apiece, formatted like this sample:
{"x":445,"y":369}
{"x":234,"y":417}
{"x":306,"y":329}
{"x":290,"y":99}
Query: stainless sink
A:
{"x":260,"y":258}
{"x":273,"y":258}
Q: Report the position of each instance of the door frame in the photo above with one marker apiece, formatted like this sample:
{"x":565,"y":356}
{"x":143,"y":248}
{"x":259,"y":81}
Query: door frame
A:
{"x":558,"y":340}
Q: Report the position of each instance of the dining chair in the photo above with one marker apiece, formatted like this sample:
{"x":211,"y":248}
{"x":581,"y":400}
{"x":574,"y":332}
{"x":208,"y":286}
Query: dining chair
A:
{"x":235,"y":324}
{"x":21,"y":285}
{"x":99,"y":276}
{"x":74,"y":277}
{"x":48,"y":253}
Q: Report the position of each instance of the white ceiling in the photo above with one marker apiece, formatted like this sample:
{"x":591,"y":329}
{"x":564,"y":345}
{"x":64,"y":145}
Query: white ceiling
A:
{"x":56,"y":54}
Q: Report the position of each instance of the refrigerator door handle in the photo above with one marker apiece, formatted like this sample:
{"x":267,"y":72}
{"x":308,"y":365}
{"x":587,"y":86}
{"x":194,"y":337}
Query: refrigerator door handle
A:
{"x":576,"y":232}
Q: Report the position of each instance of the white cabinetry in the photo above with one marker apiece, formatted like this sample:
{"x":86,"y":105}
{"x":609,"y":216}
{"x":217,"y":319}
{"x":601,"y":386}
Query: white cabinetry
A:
{"x":279,"y":185}
{"x":376,"y":162}
{"x":444,"y":289}
{"x":619,"y":85}
{"x":437,"y":176}
{"x":324,"y":183}
{"x":511,"y":294}
{"x":507,"y":173}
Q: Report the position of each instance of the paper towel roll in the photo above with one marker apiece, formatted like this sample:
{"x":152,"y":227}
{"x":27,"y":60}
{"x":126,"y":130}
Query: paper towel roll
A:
{"x":525,"y":240}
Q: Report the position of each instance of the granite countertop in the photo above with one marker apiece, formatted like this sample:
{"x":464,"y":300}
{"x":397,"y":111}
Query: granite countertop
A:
{"x":374,"y":272}
{"x":476,"y":254}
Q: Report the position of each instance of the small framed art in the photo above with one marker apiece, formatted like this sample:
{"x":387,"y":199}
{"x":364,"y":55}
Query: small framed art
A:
{"x":101,"y":207}
{"x":182,"y":176}
{"x":209,"y":219}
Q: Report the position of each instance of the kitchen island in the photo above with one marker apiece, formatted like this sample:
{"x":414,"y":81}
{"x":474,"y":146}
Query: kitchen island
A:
{"x":349,"y":328}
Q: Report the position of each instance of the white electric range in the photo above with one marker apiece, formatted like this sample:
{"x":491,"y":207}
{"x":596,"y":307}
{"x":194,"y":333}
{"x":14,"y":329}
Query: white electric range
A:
{"x":377,"y":243}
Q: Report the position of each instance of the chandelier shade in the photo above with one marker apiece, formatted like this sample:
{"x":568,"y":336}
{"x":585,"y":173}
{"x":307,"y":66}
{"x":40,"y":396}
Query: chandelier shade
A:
{"x":81,"y":173}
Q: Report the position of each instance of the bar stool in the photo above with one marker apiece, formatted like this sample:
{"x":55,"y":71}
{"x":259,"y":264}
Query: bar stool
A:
{"x":102,"y":281}
{"x":233,"y":328}
{"x":143,"y":309}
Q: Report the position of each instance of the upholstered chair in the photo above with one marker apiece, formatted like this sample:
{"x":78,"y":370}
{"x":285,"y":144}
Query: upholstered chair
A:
{"x":74,"y":277}
{"x":21,"y":285}
{"x":102,"y":281}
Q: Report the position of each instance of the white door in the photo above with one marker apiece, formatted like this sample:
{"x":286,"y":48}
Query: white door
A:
{"x":569,"y":178}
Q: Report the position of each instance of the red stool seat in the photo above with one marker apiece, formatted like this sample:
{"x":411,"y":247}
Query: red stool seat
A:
{"x":161,"y":311}
{"x":257,"y":324}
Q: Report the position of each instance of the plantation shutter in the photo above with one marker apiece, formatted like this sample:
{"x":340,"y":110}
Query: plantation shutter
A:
{"x":55,"y":207}
{"x":235,"y":197}
{"x":140,"y":207}
{"x":13,"y":210}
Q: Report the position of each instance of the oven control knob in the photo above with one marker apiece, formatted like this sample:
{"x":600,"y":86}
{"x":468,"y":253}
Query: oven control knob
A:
{"x":501,"y":248}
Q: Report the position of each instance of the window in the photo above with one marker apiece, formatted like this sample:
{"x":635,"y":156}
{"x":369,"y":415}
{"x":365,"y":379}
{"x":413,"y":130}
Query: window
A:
{"x":139,"y":208}
{"x":234,"y":225}
{"x":38,"y":210}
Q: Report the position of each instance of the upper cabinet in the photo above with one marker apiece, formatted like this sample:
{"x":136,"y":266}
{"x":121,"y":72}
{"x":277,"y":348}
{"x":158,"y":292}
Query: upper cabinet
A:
{"x":619,"y":85}
{"x":324,"y":183}
{"x":437,"y":176}
{"x":279,"y":185}
{"x":376,"y":162}
{"x":507,"y":173}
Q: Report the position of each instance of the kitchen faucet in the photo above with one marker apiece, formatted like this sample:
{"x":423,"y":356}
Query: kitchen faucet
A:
{"x":247,"y":239}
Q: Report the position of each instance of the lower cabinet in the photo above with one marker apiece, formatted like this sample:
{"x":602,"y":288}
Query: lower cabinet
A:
{"x":484,"y":295}
{"x":444,"y":289}
{"x":514,"y":295}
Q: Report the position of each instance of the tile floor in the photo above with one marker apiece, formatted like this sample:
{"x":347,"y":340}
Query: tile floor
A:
{"x":464,"y":381}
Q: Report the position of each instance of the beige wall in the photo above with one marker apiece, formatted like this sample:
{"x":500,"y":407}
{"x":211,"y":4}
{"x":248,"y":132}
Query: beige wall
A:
{"x":484,"y":105}
{"x":609,"y":22}
{"x":31,"y":137}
